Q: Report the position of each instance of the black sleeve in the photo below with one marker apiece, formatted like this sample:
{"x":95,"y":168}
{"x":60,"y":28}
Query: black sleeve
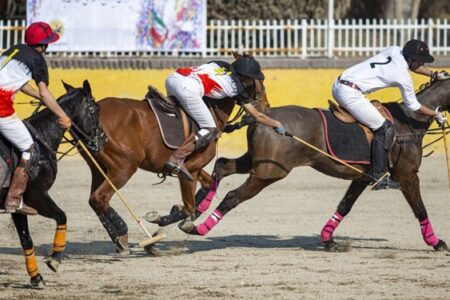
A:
{"x":40,"y":70}
{"x":243,"y":98}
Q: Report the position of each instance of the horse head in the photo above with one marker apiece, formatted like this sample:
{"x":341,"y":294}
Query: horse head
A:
{"x":81,"y":107}
{"x":436,"y":94}
{"x":257,"y":91}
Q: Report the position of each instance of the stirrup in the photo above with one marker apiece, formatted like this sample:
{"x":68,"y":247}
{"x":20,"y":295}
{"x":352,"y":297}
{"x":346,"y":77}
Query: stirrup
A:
{"x":178,"y":170}
{"x":22,"y":209}
{"x":386,"y":182}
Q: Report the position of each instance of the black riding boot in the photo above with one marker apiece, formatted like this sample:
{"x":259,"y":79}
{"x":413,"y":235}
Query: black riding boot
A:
{"x":379,"y":163}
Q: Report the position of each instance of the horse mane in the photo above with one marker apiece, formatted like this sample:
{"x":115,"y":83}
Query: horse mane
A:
{"x":63,"y":101}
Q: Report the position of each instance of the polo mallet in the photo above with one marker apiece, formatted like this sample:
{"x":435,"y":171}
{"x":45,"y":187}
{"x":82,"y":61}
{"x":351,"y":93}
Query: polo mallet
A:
{"x":334,"y":158}
{"x":152,"y":239}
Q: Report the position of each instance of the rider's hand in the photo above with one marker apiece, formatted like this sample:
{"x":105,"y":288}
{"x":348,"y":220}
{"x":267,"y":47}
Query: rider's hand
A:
{"x":441,"y":75}
{"x":441,"y":119}
{"x":64,"y":122}
{"x":280,"y":130}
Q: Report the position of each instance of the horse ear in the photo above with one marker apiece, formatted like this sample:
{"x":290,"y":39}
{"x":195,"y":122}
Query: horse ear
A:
{"x":87,"y":87}
{"x":67,"y":86}
{"x":236,"y":55}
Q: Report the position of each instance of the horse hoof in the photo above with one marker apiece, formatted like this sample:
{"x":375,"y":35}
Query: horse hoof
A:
{"x":152,"y":217}
{"x":188,"y":227}
{"x":53,"y":264}
{"x":37,"y":282}
{"x":176,"y":208}
{"x":122,"y":248}
{"x":332,"y":246}
{"x":441,"y":246}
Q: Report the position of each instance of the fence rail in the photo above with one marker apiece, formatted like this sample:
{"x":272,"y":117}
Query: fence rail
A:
{"x":286,"y":38}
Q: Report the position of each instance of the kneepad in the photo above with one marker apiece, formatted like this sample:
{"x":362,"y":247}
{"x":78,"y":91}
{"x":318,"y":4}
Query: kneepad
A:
{"x":32,"y":163}
{"x":204,"y":136}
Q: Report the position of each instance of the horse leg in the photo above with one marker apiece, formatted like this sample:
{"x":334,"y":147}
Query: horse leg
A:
{"x":46,"y":207}
{"x":175,"y":215}
{"x":222,"y":168}
{"x":252,"y":186}
{"x":115,"y":226}
{"x":21,"y":224}
{"x":353,"y":192}
{"x":411,"y":190}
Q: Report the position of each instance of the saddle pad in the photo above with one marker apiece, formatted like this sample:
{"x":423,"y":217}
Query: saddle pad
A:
{"x":170,"y":124}
{"x":345,"y":141}
{"x":8,"y":161}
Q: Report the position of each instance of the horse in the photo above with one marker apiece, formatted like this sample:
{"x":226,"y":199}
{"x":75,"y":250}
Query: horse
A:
{"x":80,"y":106}
{"x":271,"y":157}
{"x":135,"y":141}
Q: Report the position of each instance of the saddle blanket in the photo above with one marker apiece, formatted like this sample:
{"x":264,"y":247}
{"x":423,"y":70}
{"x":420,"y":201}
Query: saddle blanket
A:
{"x":345,"y":141}
{"x":170,"y":125}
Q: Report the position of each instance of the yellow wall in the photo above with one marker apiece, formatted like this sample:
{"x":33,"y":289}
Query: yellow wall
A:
{"x":305,"y":87}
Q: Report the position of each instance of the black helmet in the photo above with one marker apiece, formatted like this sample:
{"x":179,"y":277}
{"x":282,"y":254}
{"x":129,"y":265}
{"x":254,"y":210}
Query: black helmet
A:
{"x":418,"y":50}
{"x":248,"y":67}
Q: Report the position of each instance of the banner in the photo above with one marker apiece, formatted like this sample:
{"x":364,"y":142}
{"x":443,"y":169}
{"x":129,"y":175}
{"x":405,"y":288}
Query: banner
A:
{"x":123,"y":25}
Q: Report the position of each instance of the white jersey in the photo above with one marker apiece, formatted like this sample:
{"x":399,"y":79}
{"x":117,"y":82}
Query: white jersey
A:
{"x":386,"y":69}
{"x":217,"y":81}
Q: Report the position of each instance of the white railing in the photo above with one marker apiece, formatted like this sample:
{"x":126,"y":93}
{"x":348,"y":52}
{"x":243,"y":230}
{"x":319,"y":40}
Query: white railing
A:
{"x":287,"y":38}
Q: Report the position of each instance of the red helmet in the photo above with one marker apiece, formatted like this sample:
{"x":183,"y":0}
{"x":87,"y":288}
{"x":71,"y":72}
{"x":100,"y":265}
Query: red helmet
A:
{"x":40,"y":33}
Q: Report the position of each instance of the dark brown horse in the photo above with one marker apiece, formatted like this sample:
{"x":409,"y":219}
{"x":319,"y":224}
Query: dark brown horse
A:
{"x":135,"y":141}
{"x":80,"y":106}
{"x":271,"y":157}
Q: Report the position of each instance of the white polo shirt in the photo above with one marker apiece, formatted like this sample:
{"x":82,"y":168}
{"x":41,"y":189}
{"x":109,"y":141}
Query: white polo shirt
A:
{"x":386,"y":69}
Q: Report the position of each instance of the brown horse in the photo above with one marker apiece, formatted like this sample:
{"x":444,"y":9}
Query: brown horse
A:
{"x":135,"y":141}
{"x":271,"y":157}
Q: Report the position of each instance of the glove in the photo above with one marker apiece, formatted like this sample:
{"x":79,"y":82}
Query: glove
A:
{"x":441,"y":75}
{"x":441,"y":119}
{"x":280,"y":130}
{"x":64,"y":122}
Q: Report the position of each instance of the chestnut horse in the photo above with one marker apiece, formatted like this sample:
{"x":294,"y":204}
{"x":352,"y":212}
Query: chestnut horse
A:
{"x":267,"y":163}
{"x":135,"y":141}
{"x":80,"y":106}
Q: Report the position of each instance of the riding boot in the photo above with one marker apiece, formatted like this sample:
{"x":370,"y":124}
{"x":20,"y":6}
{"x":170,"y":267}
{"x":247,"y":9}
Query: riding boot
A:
{"x":14,"y":201}
{"x":175,"y":164}
{"x":379,"y":167}
{"x":379,"y":159}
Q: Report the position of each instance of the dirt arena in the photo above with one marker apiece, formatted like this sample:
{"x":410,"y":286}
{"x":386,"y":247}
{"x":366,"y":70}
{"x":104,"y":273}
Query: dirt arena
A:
{"x":267,"y":248}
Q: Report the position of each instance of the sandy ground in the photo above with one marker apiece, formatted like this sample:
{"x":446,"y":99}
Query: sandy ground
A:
{"x":267,"y":248}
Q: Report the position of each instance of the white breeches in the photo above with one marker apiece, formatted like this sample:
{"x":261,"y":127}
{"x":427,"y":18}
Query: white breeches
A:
{"x":13,"y":129}
{"x":358,"y":105}
{"x":189,"y":93}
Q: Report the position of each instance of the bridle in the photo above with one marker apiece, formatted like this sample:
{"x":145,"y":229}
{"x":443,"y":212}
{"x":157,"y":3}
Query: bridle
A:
{"x":257,"y":97}
{"x":94,"y":141}
{"x":97,"y":139}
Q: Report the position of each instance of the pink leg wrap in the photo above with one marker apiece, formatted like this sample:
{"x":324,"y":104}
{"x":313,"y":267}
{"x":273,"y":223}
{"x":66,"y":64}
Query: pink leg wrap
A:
{"x":206,"y":202}
{"x":212,"y":220}
{"x":330,"y":227}
{"x":428,"y":233}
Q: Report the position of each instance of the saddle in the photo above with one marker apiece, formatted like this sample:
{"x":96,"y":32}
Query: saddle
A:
{"x":174,"y":123}
{"x":343,"y":115}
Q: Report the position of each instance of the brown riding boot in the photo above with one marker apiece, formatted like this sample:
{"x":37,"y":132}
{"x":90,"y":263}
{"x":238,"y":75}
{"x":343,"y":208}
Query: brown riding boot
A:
{"x":175,"y":164}
{"x":14,"y":201}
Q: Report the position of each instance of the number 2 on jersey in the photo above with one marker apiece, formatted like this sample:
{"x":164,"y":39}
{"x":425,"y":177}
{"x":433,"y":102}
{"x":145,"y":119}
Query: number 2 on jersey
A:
{"x":389,"y":59}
